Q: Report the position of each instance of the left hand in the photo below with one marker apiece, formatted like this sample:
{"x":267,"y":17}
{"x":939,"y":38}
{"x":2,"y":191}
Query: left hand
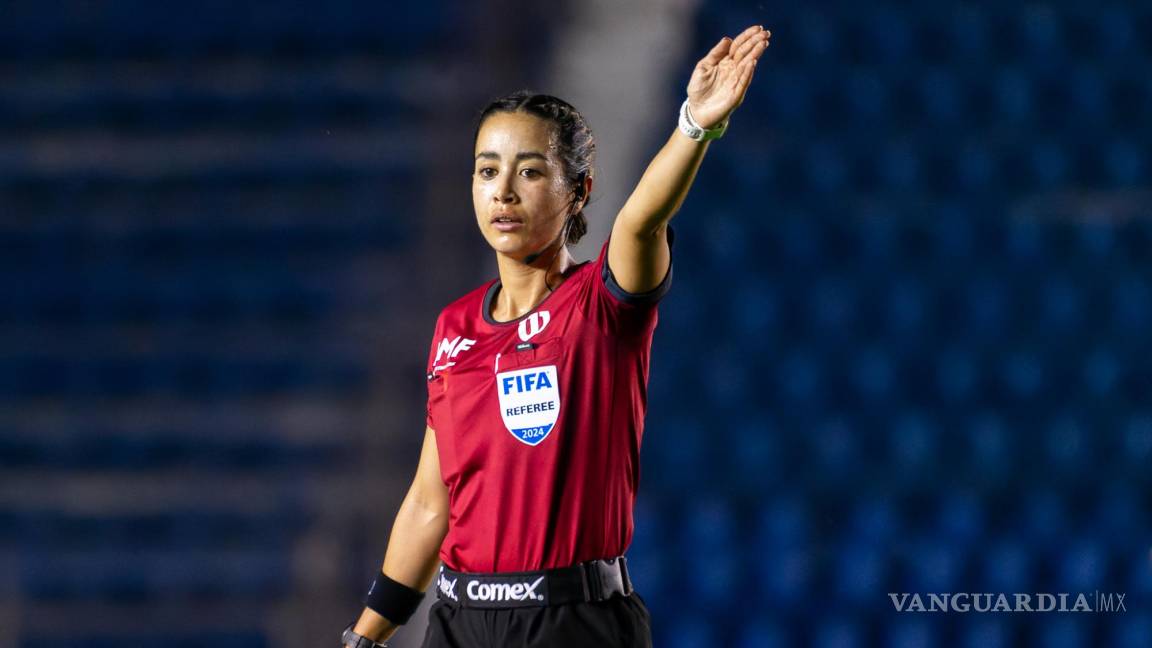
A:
{"x":722,"y":77}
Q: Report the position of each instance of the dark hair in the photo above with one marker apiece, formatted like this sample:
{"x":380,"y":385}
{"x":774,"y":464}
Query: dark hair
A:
{"x":577,"y":146}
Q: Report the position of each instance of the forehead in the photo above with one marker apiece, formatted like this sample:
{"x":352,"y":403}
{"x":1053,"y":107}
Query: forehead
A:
{"x":505,"y":133}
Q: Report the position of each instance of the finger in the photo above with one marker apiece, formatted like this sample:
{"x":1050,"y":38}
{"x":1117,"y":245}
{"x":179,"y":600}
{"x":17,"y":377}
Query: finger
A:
{"x":744,"y":36}
{"x":758,"y":50}
{"x":717,"y":53}
{"x":750,"y":46}
{"x":744,"y":80}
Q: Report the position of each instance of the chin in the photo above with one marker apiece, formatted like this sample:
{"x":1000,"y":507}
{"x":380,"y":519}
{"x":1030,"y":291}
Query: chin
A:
{"x":514,"y":245}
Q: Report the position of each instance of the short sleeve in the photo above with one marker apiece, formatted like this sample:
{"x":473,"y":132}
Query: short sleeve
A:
{"x":431,"y":373}
{"x":619,"y":310}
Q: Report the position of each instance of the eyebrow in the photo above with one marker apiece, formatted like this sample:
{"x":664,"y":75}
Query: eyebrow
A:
{"x":523,"y":155}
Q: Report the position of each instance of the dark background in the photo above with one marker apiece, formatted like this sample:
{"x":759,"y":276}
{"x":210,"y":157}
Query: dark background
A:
{"x":906,"y":350}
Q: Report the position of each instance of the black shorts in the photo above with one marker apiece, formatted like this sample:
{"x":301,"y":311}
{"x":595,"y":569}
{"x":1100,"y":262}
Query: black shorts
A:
{"x":619,"y":622}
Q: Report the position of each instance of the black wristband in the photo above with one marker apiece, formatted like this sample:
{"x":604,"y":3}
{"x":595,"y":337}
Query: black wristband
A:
{"x":394,"y":601}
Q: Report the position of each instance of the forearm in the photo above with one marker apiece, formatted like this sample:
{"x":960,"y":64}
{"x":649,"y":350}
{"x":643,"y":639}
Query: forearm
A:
{"x":664,"y":185}
{"x":412,"y":557}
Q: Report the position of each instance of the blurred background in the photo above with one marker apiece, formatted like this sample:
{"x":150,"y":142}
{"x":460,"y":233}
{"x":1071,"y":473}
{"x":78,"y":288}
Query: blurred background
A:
{"x":906,"y":350}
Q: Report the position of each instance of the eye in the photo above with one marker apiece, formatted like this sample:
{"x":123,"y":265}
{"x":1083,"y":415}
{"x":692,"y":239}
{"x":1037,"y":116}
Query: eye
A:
{"x":486,"y":172}
{"x":530,"y":173}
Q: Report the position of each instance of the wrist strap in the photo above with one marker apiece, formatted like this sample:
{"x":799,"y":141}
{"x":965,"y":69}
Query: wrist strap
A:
{"x":689,"y":127}
{"x":352,"y":640}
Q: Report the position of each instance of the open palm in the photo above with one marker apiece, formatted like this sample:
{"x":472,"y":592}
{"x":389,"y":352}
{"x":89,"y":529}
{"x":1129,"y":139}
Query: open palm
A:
{"x":721,"y":78}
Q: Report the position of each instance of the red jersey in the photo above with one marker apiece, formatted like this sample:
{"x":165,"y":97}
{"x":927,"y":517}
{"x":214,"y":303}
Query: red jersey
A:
{"x":538,"y":421}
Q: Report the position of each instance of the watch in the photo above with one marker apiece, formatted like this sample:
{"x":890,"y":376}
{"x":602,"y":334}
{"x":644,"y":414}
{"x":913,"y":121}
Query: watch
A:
{"x":689,"y":127}
{"x":353,"y":640}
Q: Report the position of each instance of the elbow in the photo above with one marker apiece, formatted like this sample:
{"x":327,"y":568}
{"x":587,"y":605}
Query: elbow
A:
{"x":644,"y":226}
{"x":429,"y":513}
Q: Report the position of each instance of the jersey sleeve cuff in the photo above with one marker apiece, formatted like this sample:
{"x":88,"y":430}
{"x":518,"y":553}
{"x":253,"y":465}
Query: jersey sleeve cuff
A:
{"x":644,"y":298}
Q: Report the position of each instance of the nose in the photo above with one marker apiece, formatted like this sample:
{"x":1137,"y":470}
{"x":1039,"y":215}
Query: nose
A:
{"x":502,"y":192}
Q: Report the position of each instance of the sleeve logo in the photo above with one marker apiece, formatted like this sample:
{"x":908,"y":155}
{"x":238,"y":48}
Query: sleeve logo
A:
{"x":449,"y":349}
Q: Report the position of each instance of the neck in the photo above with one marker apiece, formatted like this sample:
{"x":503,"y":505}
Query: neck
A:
{"x":524,"y":285}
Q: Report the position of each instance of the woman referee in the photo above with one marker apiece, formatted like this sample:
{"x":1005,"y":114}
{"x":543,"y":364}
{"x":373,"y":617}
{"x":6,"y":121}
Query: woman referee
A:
{"x":537,"y":388}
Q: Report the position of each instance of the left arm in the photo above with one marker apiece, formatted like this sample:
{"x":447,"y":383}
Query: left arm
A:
{"x":638,"y":253}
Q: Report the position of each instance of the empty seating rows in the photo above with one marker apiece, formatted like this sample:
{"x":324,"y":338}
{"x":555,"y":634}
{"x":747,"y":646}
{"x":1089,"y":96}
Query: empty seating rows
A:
{"x":160,"y":449}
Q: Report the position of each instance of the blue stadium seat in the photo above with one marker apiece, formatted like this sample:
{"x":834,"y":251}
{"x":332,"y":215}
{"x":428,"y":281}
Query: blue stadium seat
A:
{"x":957,"y":375}
{"x":1096,"y":241}
{"x":1044,"y":518}
{"x":678,"y":453}
{"x":900,"y":167}
{"x":729,"y":382}
{"x":1132,"y":630}
{"x":826,"y":169}
{"x":763,"y":633}
{"x":1127,"y":164}
{"x":987,"y":633}
{"x":714,"y":583}
{"x":1138,"y":567}
{"x":708,"y":522}
{"x":1068,"y":444}
{"x":913,"y":445}
{"x":1119,"y":513}
{"x":907,"y":631}
{"x":798,"y":379}
{"x":1023,"y":376}
{"x":1065,"y":631}
{"x":934,"y":564}
{"x":1007,"y":565}
{"x":1050,"y":165}
{"x":1062,"y":307}
{"x":138,"y":576}
{"x":874,"y":519}
{"x":1131,"y":304}
{"x":1084,"y":567}
{"x":817,"y":36}
{"x":831,"y":308}
{"x":875,"y":376}
{"x":688,"y":630}
{"x":836,"y":631}
{"x":942,"y":97}
{"x":861,"y":570}
{"x":835,"y":446}
{"x":868,"y":96}
{"x":785,"y":576}
{"x":877,"y":239}
{"x":799,"y":240}
{"x":758,"y":460}
{"x":961,"y":517}
{"x":238,"y":638}
{"x":1014,"y":94}
{"x":754,"y":314}
{"x":966,"y":30}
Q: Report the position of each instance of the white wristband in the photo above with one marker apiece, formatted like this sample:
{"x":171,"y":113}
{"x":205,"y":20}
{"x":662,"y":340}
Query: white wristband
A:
{"x":689,"y":127}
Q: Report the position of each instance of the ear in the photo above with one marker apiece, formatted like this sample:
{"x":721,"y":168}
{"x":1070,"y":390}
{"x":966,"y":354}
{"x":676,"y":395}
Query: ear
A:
{"x":587,"y":182}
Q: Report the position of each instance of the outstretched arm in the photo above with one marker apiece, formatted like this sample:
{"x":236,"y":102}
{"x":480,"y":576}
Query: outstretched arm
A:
{"x":638,"y":253}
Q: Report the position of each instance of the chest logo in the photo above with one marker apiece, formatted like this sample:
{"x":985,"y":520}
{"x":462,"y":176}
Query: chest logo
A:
{"x":532,"y":325}
{"x":448,"y":350}
{"x":529,"y":402}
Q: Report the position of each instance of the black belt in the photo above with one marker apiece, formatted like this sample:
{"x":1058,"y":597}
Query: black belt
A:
{"x":596,"y":580}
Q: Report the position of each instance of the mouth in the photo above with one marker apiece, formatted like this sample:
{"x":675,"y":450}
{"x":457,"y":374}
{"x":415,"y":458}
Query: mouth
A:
{"x":505,"y":222}
{"x":505,"y":218}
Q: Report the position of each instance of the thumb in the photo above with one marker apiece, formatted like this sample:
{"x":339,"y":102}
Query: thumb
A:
{"x":717,"y":53}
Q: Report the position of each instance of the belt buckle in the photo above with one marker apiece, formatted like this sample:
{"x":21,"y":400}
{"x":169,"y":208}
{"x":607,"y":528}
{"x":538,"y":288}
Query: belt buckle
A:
{"x":624,"y":576}
{"x":593,"y":585}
